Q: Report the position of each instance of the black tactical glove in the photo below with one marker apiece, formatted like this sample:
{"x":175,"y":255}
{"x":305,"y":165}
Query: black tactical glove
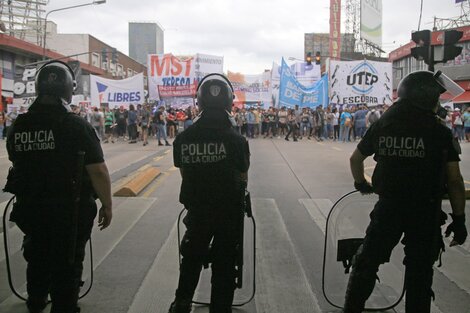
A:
{"x":458,"y":228}
{"x":364,"y":187}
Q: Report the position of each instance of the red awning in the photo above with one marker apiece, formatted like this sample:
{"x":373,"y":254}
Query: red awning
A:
{"x":465,"y":97}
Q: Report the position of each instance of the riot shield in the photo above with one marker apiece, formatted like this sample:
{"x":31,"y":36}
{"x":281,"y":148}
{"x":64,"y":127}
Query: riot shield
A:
{"x":345,"y":229}
{"x":16,"y":264}
{"x":245,"y":291}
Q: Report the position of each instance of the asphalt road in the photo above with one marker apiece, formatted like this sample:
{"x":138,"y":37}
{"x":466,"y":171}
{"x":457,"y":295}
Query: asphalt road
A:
{"x":293,"y":186}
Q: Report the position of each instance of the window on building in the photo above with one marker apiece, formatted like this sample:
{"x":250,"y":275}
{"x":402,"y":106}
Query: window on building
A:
{"x":129,"y":72}
{"x":120,"y":70}
{"x":95,"y":59}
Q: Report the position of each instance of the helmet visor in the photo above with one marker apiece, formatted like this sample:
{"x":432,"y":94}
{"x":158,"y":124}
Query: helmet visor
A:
{"x":448,"y":84}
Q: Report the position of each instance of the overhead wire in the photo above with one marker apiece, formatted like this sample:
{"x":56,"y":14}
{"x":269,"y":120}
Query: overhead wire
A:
{"x":420,"y":15}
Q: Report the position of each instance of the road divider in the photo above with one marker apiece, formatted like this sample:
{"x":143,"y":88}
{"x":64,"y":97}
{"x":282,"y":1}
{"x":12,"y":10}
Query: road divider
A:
{"x":136,"y":184}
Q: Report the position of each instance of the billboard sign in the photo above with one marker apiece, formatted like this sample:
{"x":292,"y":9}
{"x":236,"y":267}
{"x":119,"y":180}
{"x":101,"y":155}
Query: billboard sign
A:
{"x":371,"y":21}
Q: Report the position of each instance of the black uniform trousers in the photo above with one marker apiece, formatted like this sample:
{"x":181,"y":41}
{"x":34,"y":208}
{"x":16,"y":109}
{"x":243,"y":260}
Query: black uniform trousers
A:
{"x":419,"y":221}
{"x":47,"y":248}
{"x":218,"y":228}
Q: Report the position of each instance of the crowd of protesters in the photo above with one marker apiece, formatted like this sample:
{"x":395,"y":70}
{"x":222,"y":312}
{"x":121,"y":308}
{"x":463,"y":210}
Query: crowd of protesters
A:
{"x":330,"y":123}
{"x":138,"y":122}
{"x":459,"y":123}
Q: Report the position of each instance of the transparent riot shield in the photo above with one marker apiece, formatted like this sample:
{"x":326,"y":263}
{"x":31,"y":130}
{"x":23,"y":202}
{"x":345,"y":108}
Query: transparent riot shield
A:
{"x":245,"y":291}
{"x":345,"y":229}
{"x":16,"y":264}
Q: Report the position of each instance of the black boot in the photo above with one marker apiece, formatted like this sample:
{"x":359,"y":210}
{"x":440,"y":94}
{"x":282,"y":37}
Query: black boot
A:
{"x":160,"y":143}
{"x":36,"y":305}
{"x":167,"y":143}
{"x":180,"y":307}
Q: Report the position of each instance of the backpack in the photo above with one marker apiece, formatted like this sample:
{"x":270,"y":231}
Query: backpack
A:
{"x":373,"y":118}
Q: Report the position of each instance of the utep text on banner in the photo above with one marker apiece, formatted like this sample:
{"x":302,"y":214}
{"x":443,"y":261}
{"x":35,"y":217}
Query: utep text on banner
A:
{"x":360,"y":82}
{"x":292,"y":93}
{"x":117,"y":93}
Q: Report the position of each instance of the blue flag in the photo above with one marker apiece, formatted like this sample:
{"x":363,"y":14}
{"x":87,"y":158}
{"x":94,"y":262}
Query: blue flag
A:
{"x":292,"y":93}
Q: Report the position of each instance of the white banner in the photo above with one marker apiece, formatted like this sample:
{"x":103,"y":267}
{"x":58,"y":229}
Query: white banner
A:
{"x":371,"y":21}
{"x":360,"y":82}
{"x":208,"y":64}
{"x":251,"y":88}
{"x":117,"y":92}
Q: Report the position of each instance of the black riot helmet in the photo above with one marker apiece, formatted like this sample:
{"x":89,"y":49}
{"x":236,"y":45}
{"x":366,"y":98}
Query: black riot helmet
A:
{"x":215,"y":92}
{"x":422,"y":88}
{"x":55,"y":78}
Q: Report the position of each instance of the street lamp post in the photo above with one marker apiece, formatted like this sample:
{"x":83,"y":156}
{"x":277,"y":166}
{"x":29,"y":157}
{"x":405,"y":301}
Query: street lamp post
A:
{"x":95,"y":2}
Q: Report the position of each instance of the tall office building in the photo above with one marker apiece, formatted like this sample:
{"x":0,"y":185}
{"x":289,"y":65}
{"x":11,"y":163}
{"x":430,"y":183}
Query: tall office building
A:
{"x":145,"y":38}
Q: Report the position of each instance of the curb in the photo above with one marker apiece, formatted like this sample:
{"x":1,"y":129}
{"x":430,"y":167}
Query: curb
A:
{"x":133,"y":187}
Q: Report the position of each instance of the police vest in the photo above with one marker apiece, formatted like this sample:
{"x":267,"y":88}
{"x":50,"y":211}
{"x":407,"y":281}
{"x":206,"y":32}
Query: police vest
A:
{"x":212,"y":160}
{"x":411,"y":149}
{"x":44,"y":157}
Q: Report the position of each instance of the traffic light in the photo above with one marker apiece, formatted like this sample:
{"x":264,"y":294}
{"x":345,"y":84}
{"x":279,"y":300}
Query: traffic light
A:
{"x":308,"y":58}
{"x":423,"y":45}
{"x":451,"y":51}
{"x":114,"y":56}
{"x":318,"y":58}
{"x":104,"y":55}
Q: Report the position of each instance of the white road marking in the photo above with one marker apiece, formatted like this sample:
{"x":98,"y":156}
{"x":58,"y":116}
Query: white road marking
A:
{"x":282,"y":285}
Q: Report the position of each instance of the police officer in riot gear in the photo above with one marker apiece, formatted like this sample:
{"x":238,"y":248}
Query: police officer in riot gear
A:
{"x":416,"y":163}
{"x":213,"y":160}
{"x":58,"y":168}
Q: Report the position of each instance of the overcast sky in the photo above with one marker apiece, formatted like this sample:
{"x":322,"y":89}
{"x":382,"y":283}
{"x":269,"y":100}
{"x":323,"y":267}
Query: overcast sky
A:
{"x":250,"y":34}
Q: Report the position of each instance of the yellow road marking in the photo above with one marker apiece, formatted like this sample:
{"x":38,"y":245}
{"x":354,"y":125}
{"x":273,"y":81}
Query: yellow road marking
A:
{"x":158,"y":158}
{"x":155,"y":185}
{"x":171,"y":169}
{"x":321,"y":144}
{"x":337,"y":149}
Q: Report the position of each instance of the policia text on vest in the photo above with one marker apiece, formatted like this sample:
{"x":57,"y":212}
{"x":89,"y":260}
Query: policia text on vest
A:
{"x":34,"y":140}
{"x":194,"y":153}
{"x":404,"y":147}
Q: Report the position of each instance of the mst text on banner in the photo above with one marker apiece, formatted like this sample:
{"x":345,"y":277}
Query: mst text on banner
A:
{"x":169,"y":76}
{"x":177,"y":77}
{"x":117,"y":93}
{"x":292,"y":93}
{"x":360,"y":82}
